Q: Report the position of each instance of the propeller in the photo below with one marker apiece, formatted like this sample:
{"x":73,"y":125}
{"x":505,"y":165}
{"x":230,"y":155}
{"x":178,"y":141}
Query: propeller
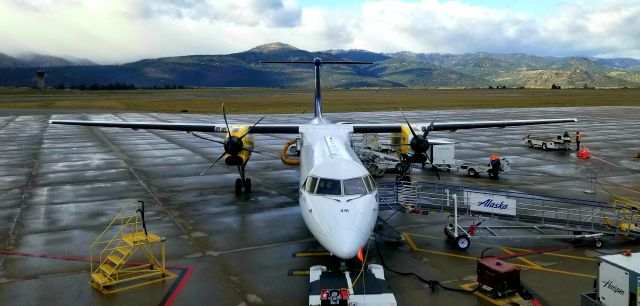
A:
{"x":420,"y":144}
{"x":232,"y":145}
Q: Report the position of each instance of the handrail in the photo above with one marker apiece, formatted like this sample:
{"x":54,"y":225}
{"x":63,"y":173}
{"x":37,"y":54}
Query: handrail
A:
{"x":125,"y":222}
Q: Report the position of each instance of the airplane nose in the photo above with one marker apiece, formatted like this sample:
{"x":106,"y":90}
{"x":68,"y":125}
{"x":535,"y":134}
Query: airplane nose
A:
{"x":346,"y":243}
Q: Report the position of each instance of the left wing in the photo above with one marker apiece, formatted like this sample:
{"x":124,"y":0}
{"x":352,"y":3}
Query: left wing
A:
{"x":187,"y":127}
{"x":453,"y":126}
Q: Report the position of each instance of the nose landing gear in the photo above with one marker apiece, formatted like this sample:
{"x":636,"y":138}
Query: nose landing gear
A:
{"x":242,"y":182}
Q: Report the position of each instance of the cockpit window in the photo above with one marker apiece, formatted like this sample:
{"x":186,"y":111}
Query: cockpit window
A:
{"x":329,"y":187}
{"x":370,"y":184}
{"x":310,"y":184}
{"x":354,"y":186}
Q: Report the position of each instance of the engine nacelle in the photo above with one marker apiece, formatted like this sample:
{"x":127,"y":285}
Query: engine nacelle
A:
{"x":402,"y":139}
{"x":242,"y":157}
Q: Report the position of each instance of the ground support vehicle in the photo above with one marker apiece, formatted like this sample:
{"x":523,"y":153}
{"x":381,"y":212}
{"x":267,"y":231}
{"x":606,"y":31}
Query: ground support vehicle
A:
{"x":475,"y":169}
{"x":346,"y":288}
{"x":548,"y":142}
{"x":493,"y":214}
{"x":377,"y":163}
{"x":618,"y":281}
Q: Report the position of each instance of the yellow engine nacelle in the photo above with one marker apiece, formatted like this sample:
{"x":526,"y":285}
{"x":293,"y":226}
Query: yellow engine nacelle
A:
{"x":401,"y":140}
{"x":247,"y":142}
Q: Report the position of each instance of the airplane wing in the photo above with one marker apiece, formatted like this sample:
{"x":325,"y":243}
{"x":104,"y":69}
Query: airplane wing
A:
{"x":187,"y":127}
{"x":294,"y":128}
{"x":453,"y":126}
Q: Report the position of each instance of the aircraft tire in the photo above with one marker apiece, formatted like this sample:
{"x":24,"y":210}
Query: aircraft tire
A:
{"x":247,"y":186}
{"x":238,"y":186}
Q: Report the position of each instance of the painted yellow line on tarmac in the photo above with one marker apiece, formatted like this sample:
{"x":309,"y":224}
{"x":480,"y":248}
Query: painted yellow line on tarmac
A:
{"x":557,"y":254}
{"x":507,"y":301}
{"x":421,"y":235}
{"x":409,"y":241}
{"x":529,"y":262}
{"x":529,"y":265}
{"x":614,"y":184}
{"x":412,"y":245}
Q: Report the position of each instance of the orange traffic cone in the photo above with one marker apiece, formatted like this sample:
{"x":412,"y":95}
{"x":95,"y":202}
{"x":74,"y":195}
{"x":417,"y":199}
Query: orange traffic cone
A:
{"x":584,"y":153}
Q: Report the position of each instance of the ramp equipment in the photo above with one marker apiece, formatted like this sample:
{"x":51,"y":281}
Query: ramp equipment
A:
{"x":560,"y":142}
{"x":618,"y":281}
{"x":521,"y":216}
{"x":126,"y":238}
{"x":342,"y":288}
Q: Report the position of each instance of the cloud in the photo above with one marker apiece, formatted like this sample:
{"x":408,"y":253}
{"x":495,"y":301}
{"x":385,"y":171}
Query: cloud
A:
{"x":110,"y":31}
{"x":273,"y":13}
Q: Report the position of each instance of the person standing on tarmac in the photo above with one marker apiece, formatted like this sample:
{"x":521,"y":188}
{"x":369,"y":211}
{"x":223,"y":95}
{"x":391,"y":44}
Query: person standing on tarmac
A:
{"x":578,"y":138}
{"x":494,"y":161}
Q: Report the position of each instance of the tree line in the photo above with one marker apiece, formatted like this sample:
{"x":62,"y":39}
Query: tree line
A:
{"x":116,"y":86}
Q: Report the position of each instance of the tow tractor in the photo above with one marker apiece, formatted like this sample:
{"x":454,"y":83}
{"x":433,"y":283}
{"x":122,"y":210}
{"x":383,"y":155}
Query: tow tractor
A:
{"x":474,"y":169}
{"x":337,"y":288}
{"x":560,"y":142}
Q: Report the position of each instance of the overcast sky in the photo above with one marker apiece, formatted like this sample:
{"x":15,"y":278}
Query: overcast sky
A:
{"x":116,"y":31}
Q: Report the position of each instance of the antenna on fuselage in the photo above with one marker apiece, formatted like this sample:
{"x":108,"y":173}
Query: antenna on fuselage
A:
{"x":317,"y":62}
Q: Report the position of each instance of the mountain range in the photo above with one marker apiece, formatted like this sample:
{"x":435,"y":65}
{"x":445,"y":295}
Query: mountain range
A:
{"x":401,"y":69}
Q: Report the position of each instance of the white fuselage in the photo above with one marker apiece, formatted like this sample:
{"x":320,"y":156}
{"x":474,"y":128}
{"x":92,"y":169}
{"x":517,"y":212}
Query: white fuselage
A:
{"x":343,"y":222}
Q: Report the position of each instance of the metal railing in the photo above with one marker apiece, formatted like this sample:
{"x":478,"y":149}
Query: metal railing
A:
{"x":572,"y":214}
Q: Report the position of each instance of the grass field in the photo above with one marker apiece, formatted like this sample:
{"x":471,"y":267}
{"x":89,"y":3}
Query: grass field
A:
{"x":271,"y":100}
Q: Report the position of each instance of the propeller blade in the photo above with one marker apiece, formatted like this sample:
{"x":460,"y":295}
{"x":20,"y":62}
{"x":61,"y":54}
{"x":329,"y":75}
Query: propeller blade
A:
{"x":207,"y":139}
{"x":251,"y":128}
{"x":258,"y":152}
{"x":430,"y":127}
{"x":214,"y":163}
{"x":409,"y":124}
{"x":436,"y":170}
{"x":433,"y":167}
{"x":224,"y":114}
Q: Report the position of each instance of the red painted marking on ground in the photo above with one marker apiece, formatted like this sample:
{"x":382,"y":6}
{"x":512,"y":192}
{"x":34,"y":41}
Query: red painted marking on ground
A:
{"x":181,"y":285}
{"x":173,"y":295}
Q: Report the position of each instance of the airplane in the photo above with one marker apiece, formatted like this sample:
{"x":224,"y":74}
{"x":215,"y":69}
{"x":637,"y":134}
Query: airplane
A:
{"x":338,"y":197}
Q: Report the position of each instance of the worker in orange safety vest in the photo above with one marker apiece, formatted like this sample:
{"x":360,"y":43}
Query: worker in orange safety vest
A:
{"x":494,"y":161}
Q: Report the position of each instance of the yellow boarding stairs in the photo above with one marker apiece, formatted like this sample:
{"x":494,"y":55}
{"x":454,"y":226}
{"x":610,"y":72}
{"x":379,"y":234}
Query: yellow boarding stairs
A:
{"x":110,"y":253}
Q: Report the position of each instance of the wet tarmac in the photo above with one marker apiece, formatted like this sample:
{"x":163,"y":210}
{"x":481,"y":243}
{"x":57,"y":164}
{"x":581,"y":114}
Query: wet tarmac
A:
{"x":60,"y":185}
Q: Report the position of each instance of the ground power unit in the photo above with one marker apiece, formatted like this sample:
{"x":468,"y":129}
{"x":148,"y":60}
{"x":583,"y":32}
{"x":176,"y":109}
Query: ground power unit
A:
{"x":618,"y":282}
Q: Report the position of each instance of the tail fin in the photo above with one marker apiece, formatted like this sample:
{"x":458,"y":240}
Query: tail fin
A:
{"x":317,"y":62}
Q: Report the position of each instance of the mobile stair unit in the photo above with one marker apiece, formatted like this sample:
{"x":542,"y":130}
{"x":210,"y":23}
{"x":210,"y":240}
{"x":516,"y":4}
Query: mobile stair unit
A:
{"x":491,"y":214}
{"x":126,"y":238}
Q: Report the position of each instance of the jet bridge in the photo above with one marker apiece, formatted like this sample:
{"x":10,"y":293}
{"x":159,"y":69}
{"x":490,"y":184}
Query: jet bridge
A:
{"x":511,"y":215}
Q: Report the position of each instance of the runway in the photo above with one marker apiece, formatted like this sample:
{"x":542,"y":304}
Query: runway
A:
{"x":60,"y":185}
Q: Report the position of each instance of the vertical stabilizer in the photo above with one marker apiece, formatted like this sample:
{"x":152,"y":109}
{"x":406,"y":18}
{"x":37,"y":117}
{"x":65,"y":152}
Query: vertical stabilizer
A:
{"x":317,"y":106}
{"x":317,"y":62}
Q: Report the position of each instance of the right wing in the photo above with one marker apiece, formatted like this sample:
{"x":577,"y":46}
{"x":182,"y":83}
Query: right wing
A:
{"x":453,"y":126}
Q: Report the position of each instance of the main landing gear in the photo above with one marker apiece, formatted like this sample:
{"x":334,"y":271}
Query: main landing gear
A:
{"x":242,"y":182}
